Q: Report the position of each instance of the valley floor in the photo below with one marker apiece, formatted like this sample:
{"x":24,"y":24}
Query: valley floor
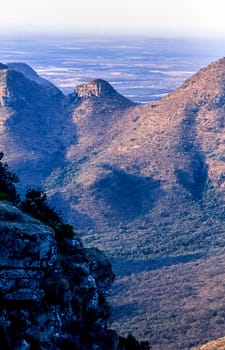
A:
{"x":182,"y":301}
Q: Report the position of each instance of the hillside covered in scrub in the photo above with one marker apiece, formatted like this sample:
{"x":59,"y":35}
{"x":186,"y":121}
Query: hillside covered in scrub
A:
{"x":52,"y":289}
{"x":142,"y":182}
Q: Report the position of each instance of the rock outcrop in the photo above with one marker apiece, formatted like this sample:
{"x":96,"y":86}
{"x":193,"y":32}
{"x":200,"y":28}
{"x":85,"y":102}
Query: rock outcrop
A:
{"x":27,"y":250}
{"x":50,"y":297}
{"x":97,"y":87}
{"x":97,"y":97}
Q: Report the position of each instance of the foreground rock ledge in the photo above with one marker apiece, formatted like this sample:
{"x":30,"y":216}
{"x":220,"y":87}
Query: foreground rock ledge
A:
{"x":50,"y":298}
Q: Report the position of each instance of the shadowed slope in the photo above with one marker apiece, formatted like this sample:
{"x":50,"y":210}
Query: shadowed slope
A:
{"x":178,"y":143}
{"x":144,"y":183}
{"x":34,"y":130}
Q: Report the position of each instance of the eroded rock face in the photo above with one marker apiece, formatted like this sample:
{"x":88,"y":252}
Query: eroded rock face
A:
{"x":98,"y":96}
{"x":51,"y":296}
{"x":96,"y":87}
{"x":27,"y":250}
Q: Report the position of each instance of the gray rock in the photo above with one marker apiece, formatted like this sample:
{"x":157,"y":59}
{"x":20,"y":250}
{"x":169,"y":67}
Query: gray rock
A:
{"x":50,"y":293}
{"x":27,"y":249}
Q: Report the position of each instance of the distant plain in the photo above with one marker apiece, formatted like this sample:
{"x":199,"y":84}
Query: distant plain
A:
{"x":142,"y":69}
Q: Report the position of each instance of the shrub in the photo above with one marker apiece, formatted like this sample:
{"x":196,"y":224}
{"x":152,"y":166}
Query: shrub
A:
{"x":130,"y":343}
{"x":7,"y":182}
{"x":35,"y":204}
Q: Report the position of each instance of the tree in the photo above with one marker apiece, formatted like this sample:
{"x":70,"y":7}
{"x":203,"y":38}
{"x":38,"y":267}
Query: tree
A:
{"x":7,"y":182}
{"x":130,"y":343}
{"x":35,"y":204}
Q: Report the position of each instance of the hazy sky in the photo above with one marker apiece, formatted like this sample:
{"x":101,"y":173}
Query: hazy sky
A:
{"x":151,"y":17}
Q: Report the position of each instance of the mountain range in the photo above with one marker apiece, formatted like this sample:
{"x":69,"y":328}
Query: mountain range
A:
{"x":144,"y":183}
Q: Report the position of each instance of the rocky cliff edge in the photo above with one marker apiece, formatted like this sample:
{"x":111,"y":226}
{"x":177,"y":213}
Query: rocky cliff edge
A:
{"x":50,"y":297}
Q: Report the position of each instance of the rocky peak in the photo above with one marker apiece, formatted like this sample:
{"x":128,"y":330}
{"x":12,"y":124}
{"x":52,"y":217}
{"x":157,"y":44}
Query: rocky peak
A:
{"x":96,"y":98}
{"x":95,"y":87}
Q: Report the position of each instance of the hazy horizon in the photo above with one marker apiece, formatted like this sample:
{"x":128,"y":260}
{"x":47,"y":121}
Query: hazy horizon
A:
{"x":142,"y":69}
{"x":153,"y":18}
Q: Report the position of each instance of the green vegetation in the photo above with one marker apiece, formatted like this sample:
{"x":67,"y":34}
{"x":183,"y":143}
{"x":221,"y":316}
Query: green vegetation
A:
{"x":130,"y":343}
{"x":7,"y":183}
{"x":35,"y":204}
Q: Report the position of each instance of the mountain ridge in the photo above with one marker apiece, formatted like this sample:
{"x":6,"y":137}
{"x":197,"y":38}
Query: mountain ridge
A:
{"x":34,"y":128}
{"x":144,"y":183}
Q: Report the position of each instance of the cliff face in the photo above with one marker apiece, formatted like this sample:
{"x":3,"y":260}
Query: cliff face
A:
{"x":96,"y":100}
{"x":97,"y":87}
{"x":50,"y":297}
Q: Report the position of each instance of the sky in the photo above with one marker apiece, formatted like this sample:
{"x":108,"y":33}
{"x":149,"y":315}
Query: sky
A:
{"x":155,"y":18}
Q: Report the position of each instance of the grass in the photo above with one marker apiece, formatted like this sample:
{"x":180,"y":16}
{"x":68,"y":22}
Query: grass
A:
{"x":174,"y":307}
{"x":178,"y":301}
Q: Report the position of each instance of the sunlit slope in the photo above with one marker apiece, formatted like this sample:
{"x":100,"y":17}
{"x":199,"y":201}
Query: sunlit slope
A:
{"x":148,"y":171}
{"x":145,"y":183}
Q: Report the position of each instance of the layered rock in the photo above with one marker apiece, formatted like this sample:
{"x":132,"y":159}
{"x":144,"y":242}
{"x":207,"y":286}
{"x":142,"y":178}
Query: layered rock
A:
{"x":98,"y":88}
{"x":27,"y":251}
{"x":96,"y":98}
{"x":51,"y":297}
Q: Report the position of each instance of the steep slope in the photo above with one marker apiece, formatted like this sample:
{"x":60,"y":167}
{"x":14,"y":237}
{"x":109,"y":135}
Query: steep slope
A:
{"x":44,"y":303}
{"x":33,"y":125}
{"x":131,"y":165}
{"x":94,"y":107}
{"x":29,"y":73}
{"x":52,"y":289}
{"x":143,"y":182}
{"x":147,"y":183}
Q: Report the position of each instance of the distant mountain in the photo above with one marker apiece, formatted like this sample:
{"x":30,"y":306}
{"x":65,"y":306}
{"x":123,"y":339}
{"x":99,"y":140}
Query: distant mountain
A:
{"x":145,"y":183}
{"x":34,"y":128}
{"x":29,"y":73}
